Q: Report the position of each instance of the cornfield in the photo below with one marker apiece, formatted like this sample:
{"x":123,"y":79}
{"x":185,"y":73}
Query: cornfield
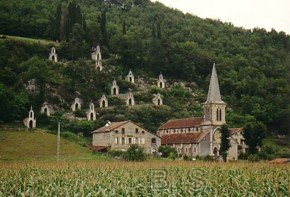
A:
{"x":155,"y":178}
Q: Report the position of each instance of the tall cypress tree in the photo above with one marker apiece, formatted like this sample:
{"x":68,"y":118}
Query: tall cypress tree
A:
{"x":225,"y":142}
{"x":103,"y":25}
{"x":58,"y":22}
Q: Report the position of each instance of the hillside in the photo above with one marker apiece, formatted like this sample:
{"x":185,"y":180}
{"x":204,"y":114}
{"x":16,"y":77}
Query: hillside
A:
{"x":149,"y":39}
{"x":19,"y":145}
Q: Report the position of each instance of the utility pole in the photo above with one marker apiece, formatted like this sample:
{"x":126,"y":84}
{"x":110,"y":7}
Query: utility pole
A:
{"x":58,"y":142}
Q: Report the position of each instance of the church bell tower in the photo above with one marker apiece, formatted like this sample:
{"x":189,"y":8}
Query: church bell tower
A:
{"x":214,"y":109}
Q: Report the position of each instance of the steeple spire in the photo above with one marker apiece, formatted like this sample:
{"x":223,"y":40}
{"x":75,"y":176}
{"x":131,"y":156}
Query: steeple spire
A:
{"x":214,"y":95}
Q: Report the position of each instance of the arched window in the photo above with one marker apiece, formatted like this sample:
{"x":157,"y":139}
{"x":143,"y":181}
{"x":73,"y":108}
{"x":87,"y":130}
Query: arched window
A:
{"x":161,"y":85}
{"x":158,"y":102}
{"x":104,"y":103}
{"x":114,"y":91}
{"x":92,"y":116}
{"x":218,"y":114}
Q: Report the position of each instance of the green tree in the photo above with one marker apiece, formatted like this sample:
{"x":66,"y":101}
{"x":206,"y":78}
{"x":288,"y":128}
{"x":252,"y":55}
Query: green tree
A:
{"x":225,"y":142}
{"x":166,"y":151}
{"x":77,"y":43}
{"x":103,"y":26}
{"x":254,"y":133}
{"x":135,"y":153}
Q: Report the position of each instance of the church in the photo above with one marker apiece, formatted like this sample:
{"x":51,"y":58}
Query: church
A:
{"x":201,"y":135}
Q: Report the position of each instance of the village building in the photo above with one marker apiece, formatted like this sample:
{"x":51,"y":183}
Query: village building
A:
{"x":30,"y":121}
{"x":161,"y":82}
{"x":201,"y":135}
{"x":77,"y":104}
{"x":121,"y":135}
{"x":103,"y":102}
{"x":157,"y":100}
{"x":130,"y":101}
{"x":46,"y":109}
{"x":52,"y":54}
{"x":130,"y":77}
{"x":114,"y":88}
{"x":91,"y":114}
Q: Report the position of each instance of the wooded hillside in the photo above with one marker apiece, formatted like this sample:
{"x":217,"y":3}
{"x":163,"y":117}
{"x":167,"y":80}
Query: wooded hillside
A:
{"x":148,"y":38}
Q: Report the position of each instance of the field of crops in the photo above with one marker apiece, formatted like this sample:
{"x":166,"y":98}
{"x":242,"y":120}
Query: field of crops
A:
{"x":154,"y":178}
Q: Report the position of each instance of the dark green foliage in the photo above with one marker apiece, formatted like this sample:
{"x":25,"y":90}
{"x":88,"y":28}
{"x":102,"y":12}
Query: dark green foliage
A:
{"x":254,"y":133}
{"x":166,"y":151}
{"x":225,"y":142}
{"x":135,"y":153}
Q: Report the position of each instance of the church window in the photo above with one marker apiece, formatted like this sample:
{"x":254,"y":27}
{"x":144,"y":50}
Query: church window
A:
{"x":136,"y":130}
{"x":218,"y":114}
{"x":123,"y":130}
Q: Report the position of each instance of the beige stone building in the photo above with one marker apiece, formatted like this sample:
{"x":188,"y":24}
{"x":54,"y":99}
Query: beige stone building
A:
{"x":120,"y":135}
{"x":201,"y":135}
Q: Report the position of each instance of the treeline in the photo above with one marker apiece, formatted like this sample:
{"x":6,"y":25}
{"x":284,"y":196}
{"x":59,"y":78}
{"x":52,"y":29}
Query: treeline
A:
{"x":149,"y":38}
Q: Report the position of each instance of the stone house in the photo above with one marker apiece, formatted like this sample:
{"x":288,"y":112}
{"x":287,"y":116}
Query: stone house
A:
{"x":201,"y":135}
{"x":120,"y":135}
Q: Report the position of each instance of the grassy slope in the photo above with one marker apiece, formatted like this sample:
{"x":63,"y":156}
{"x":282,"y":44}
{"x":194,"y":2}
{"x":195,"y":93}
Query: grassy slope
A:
{"x":27,"y":145}
{"x":32,"y":40}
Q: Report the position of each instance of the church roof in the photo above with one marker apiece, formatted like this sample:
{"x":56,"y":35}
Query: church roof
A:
{"x":183,"y":138}
{"x":214,"y":95}
{"x":182,"y":123}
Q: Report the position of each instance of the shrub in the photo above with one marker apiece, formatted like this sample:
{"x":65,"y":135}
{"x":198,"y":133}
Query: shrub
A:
{"x":135,"y":153}
{"x":173,"y":155}
{"x":116,"y":153}
{"x":166,"y":150}
{"x":253,"y":158}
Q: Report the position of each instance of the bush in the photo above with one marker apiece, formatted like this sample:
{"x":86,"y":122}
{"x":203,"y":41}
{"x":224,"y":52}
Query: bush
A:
{"x":187,"y":158}
{"x":135,"y":153}
{"x":173,"y":155}
{"x":254,"y":158}
{"x":167,"y":150}
{"x":116,"y":153}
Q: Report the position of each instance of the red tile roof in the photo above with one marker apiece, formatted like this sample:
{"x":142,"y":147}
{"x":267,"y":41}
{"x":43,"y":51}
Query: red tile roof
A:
{"x":182,"y":123}
{"x":110,"y":127}
{"x":183,"y":138}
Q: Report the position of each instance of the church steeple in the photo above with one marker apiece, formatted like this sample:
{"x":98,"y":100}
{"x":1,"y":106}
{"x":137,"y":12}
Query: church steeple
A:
{"x":214,"y":95}
{"x":214,"y":108}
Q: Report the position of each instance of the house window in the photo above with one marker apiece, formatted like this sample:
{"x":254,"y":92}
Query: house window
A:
{"x":136,"y":130}
{"x":123,"y":140}
{"x":153,"y":140}
{"x":130,"y":140}
{"x":123,"y":130}
{"x":116,"y":131}
{"x":143,"y":132}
